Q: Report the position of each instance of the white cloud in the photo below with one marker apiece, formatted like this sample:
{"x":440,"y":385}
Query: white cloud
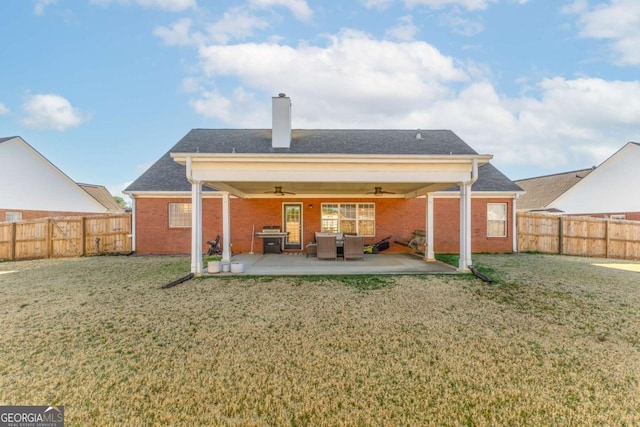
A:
{"x":178,"y":34}
{"x":439,"y":4}
{"x":239,"y":105}
{"x":40,"y":6}
{"x":618,"y":21}
{"x":356,"y":81}
{"x":236,"y":24}
{"x":458,"y":23}
{"x":4,"y":109}
{"x":377,"y":4}
{"x":50,"y":111}
{"x":406,"y":30}
{"x":170,"y":5}
{"x":299,"y":8}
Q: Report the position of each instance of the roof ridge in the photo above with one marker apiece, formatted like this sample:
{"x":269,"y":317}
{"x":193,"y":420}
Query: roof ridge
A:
{"x":592,"y":168}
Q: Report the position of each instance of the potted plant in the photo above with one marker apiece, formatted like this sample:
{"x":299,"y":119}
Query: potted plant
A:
{"x":213,"y":264}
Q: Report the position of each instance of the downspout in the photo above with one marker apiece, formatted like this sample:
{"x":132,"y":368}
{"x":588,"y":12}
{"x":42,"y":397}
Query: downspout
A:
{"x":514,"y":223}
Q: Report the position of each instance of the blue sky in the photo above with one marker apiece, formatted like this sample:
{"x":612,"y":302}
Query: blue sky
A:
{"x":102,"y":88}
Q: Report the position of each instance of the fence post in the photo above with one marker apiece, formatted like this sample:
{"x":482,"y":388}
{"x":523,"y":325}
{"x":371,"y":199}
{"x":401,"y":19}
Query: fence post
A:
{"x":12,"y":242}
{"x":606,"y":241}
{"x":561,"y":235}
{"x":83,"y":235}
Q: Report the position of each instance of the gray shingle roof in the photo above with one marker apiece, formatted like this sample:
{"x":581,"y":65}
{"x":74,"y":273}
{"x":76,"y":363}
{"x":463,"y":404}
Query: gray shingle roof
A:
{"x":167,"y":175}
{"x":325,"y":142}
{"x":491,"y":179}
{"x":6,"y":138}
{"x":542,"y":190}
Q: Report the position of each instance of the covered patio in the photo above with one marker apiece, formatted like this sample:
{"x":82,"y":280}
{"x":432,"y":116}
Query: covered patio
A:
{"x":297,"y":264}
{"x":321,"y":164}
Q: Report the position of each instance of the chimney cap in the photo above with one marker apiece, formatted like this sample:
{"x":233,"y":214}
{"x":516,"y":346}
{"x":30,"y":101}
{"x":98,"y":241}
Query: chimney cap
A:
{"x":282,"y":95}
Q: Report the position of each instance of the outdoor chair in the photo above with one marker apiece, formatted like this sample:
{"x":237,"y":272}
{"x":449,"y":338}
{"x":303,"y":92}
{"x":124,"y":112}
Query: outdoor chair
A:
{"x":326,"y":247}
{"x":353,"y":247}
{"x":312,"y":249}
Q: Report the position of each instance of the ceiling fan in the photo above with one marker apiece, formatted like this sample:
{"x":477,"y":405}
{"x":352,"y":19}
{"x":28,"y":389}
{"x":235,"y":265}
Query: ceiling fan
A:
{"x":278,"y":191}
{"x":378,"y":191}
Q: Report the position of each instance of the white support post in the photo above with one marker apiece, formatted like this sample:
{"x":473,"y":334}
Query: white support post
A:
{"x":514,"y":224}
{"x":465,"y":228}
{"x":226,"y":228}
{"x":196,"y":228}
{"x":430,"y":255}
{"x":468,"y":228}
{"x":134,"y":234}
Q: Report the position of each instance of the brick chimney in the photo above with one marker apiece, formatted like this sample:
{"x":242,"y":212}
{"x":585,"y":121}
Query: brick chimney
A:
{"x":281,"y":117}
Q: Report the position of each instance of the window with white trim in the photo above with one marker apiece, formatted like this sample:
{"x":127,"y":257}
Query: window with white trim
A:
{"x":13,"y":216}
{"x":352,"y":218}
{"x":496,"y":220}
{"x":179,"y":215}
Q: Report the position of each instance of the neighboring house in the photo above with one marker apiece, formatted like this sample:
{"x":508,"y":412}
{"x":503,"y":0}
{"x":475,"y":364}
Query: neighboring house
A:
{"x":32,"y":187}
{"x":375,"y":183}
{"x":542,"y":191}
{"x":609,"y":190}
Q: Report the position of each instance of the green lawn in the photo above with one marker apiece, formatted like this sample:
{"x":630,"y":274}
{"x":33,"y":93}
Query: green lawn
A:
{"x":555,"y":342}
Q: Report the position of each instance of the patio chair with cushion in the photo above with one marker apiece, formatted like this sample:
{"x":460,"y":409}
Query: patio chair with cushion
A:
{"x":326,"y":247}
{"x":353,"y":247}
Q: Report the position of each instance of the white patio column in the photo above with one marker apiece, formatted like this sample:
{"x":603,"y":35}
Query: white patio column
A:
{"x":514,"y":224}
{"x":468,"y":223}
{"x":430,"y":253}
{"x":196,"y":228}
{"x":465,"y":227}
{"x":226,"y":227}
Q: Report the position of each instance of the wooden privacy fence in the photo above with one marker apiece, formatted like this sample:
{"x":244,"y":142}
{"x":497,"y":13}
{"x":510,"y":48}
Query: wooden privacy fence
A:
{"x":583,"y":236}
{"x":65,"y":237}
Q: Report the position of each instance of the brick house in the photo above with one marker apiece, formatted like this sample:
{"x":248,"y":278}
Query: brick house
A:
{"x":375,"y":183}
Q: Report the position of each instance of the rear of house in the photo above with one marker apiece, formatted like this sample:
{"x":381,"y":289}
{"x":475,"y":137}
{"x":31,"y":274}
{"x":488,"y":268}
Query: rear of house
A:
{"x":374,"y":183}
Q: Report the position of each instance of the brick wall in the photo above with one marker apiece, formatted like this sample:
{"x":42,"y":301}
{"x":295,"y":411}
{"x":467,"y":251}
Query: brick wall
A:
{"x":395,"y":217}
{"x":26,"y":215}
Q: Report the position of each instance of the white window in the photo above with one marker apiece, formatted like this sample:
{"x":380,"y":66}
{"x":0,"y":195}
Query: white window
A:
{"x":179,"y":215}
{"x":13,"y":216}
{"x":353,"y":218}
{"x":496,"y":220}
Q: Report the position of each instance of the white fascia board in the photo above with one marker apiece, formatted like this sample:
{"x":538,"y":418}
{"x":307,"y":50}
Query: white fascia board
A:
{"x":328,"y":168}
{"x":479,"y":194}
{"x":171,"y":194}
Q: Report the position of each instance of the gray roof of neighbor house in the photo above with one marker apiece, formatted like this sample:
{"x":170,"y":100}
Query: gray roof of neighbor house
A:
{"x":542,"y":190}
{"x":3,"y":139}
{"x":167,"y":175}
{"x":103,"y":196}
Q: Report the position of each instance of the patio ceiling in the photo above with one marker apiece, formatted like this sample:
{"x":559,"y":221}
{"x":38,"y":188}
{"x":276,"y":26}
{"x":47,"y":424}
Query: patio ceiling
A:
{"x":256,"y":176}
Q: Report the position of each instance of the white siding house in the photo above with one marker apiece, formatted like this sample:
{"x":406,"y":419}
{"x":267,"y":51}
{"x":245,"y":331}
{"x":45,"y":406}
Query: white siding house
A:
{"x":29,"y":182}
{"x":611,"y":188}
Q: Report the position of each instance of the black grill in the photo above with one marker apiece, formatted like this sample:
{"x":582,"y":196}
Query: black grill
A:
{"x":271,"y":245}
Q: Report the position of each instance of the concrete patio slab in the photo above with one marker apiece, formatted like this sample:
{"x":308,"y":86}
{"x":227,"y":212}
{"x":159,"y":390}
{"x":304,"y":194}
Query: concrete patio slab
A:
{"x":299,"y":264}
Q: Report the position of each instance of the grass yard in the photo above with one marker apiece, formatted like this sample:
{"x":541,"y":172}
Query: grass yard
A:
{"x":555,"y":342}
